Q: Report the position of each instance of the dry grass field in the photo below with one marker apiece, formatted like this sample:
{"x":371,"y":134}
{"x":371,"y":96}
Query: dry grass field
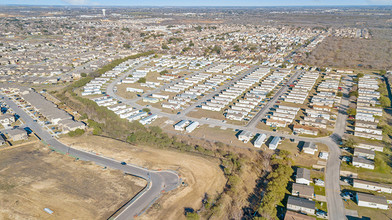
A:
{"x":201,"y":174}
{"x":32,"y":177}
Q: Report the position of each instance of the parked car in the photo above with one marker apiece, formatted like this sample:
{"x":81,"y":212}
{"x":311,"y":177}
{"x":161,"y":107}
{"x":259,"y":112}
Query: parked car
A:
{"x":123,"y":163}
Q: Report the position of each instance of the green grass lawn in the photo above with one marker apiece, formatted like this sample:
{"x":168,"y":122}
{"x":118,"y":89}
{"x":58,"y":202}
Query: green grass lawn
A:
{"x":382,"y":170}
{"x":319,"y":190}
{"x":321,"y":206}
{"x":316,"y":175}
{"x":378,"y":214}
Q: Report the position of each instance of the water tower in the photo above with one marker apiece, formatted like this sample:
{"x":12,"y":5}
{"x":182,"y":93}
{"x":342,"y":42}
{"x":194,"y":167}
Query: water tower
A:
{"x":104,"y":12}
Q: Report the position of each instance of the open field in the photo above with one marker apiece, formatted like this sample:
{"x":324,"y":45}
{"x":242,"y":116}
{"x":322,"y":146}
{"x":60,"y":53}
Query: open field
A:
{"x":32,"y":174}
{"x":372,"y":53}
{"x":200,"y":174}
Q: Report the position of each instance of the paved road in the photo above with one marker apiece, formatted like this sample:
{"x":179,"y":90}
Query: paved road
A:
{"x":261,"y":114}
{"x":158,"y":180}
{"x":332,"y":181}
{"x":332,"y":177}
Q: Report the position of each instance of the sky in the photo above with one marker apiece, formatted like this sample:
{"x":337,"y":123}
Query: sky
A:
{"x":199,"y":2}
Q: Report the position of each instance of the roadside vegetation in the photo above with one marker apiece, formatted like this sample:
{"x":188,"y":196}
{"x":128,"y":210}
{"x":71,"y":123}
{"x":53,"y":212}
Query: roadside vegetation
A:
{"x":242,"y":167}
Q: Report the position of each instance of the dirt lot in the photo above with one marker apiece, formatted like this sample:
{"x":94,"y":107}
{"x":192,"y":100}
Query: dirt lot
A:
{"x":33,"y":177}
{"x":201,"y":175}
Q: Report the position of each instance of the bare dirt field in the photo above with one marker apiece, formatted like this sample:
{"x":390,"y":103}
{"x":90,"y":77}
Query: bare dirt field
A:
{"x":201,"y":174}
{"x":32,"y":177}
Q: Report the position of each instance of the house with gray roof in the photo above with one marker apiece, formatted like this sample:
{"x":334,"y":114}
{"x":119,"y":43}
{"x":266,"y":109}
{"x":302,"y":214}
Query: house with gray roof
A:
{"x":299,"y":204}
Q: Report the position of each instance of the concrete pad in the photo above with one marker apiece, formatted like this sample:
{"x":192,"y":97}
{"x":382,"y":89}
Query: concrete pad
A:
{"x":350,"y":212}
{"x":223,"y":128}
{"x":211,"y":126}
{"x":321,"y":198}
{"x":318,"y":166}
{"x":348,"y":174}
{"x":321,"y":162}
{"x":169,"y":122}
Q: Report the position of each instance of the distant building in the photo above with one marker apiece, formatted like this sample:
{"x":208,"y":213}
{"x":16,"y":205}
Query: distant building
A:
{"x":299,"y":204}
{"x":324,"y":155}
{"x":290,"y":215}
{"x":371,"y":201}
{"x":303,"y":176}
{"x":365,"y":153}
{"x":7,"y":119}
{"x":192,"y":126}
{"x":181,"y":125}
{"x":302,"y":129}
{"x":274,"y":143}
{"x":245,"y":136}
{"x":302,"y":190}
{"x":260,"y":140}
{"x":363,"y":163}
{"x":309,"y":148}
{"x":371,"y":147}
{"x":373,"y":186}
{"x":17,"y":134}
{"x":68,"y":125}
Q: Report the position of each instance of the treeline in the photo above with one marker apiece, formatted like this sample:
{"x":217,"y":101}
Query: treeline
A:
{"x":276,"y":188}
{"x":107,"y":123}
{"x":385,"y":102}
{"x":116,"y":62}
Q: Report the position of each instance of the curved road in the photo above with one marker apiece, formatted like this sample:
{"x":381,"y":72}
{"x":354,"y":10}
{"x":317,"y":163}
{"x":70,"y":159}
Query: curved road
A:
{"x":159,"y":181}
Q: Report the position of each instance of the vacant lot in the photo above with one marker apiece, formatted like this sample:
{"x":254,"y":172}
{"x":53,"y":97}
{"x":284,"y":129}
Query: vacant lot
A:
{"x":375,"y":53}
{"x":32,"y":178}
{"x":201,"y":175}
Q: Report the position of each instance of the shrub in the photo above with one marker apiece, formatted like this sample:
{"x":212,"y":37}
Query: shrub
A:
{"x":142,"y":80}
{"x":78,"y":132}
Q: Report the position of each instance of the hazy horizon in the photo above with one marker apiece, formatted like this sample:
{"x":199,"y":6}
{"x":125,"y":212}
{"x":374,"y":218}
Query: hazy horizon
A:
{"x":200,"y":3}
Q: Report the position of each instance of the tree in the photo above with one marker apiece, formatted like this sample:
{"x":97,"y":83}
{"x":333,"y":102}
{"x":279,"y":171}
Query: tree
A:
{"x":353,"y":93}
{"x":359,"y":75}
{"x":165,"y":47}
{"x":142,"y":80}
{"x":78,"y":132}
{"x":339,"y":94}
{"x":217,"y":49}
{"x":83,"y":74}
{"x":127,"y":46}
{"x":163,"y":72}
{"x":385,"y":102}
{"x":146,"y":109}
{"x":351,"y":111}
{"x":192,"y":216}
{"x":383,"y":72}
{"x":237,"y":48}
{"x":349,"y":143}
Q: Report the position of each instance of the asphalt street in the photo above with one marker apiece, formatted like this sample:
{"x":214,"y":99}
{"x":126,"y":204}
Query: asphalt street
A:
{"x":261,"y":114}
{"x":332,"y":177}
{"x":159,"y":181}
